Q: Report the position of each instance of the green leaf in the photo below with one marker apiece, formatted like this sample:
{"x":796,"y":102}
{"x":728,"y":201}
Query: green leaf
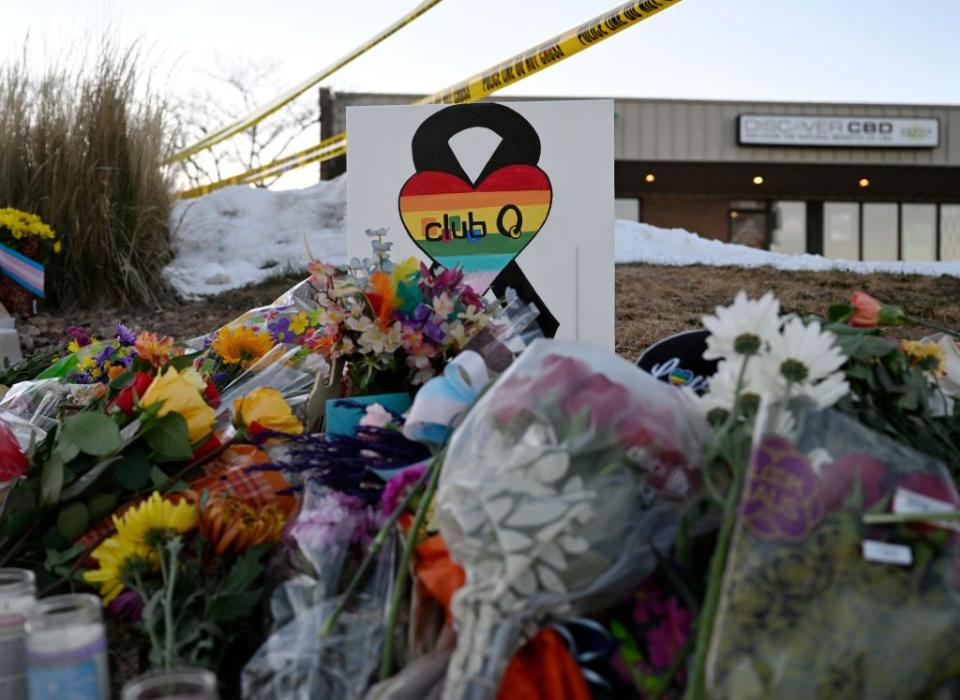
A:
{"x":93,"y":432}
{"x":184,"y":361}
{"x":839,"y":313}
{"x":73,"y":521}
{"x":67,"y":449}
{"x":88,"y":477}
{"x":101,"y":505}
{"x":122,"y":381}
{"x":157,"y":476}
{"x":133,"y":471}
{"x":51,"y":479}
{"x":57,"y":557}
{"x":169,"y":437}
{"x":245,"y":570}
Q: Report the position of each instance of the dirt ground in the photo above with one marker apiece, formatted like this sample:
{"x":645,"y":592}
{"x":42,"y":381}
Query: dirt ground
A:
{"x":652,"y":302}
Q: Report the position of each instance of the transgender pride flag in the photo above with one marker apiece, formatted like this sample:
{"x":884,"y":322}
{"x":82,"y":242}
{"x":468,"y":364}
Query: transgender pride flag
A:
{"x":22,"y":269}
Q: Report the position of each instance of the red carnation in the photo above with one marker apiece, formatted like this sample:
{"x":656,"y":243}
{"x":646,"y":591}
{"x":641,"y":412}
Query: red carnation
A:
{"x":840,"y":478}
{"x":124,"y":400}
{"x":13,"y":463}
{"x":211,"y":395}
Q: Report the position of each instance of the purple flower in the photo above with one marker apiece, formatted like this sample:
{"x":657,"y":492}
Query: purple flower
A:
{"x":79,"y":334}
{"x":335,"y":519}
{"x":280,"y":330}
{"x":126,"y":336}
{"x":127,"y":606}
{"x":125,"y":360}
{"x":423,"y":319}
{"x":103,"y":357}
{"x":397,"y":486}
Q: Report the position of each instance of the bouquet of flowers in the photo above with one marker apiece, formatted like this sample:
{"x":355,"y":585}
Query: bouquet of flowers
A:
{"x":29,"y":236}
{"x":385,"y":326}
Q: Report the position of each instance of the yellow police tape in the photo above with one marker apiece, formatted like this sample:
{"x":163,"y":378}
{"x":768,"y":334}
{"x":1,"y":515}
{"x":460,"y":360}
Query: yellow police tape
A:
{"x":521,"y":66}
{"x":293,"y":93}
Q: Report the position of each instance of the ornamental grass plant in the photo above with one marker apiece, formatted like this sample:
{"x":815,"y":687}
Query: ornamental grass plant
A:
{"x":81,"y":145}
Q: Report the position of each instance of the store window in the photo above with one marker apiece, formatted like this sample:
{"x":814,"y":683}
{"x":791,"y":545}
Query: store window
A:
{"x":749,"y":223}
{"x":789,"y":228}
{"x":950,"y":232}
{"x":627,"y":208}
{"x":841,"y":230}
{"x":880,"y":232}
{"x":919,"y":231}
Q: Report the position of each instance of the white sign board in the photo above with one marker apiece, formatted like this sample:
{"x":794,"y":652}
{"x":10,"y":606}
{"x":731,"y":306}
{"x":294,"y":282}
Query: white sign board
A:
{"x":850,"y":132}
{"x":493,"y":187}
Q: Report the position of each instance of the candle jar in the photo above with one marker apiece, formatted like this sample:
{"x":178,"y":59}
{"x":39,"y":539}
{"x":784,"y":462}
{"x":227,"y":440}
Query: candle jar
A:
{"x":67,"y":649}
{"x":184,"y":683}
{"x":17,"y":591}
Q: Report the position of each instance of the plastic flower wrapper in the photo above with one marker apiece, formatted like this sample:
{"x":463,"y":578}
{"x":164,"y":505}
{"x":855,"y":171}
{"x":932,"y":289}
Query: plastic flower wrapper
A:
{"x":822,"y":596}
{"x":281,"y":369}
{"x":29,"y":408}
{"x":329,"y":526}
{"x":298,"y":662}
{"x":556,"y":491}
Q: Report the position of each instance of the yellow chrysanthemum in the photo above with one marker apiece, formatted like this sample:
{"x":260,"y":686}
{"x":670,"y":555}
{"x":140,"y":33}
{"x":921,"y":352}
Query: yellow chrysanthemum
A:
{"x":155,"y":518}
{"x":22,"y":224}
{"x":117,"y":556}
{"x":241,"y":345}
{"x":73,"y":346}
{"x":925,"y":355}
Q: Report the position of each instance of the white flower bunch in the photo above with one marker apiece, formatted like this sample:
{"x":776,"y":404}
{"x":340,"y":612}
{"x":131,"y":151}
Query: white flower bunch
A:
{"x":763,"y":354}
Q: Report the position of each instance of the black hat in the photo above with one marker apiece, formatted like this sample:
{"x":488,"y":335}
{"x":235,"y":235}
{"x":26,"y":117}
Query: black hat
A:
{"x":678,"y":360}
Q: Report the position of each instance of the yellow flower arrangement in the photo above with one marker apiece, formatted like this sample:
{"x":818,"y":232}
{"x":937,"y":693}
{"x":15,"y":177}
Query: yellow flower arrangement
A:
{"x":241,"y":345}
{"x":266,"y":407}
{"x":925,"y":355}
{"x":178,"y":395}
{"x":22,"y":224}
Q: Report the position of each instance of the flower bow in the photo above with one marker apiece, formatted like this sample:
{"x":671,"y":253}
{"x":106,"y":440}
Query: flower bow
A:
{"x":445,"y":398}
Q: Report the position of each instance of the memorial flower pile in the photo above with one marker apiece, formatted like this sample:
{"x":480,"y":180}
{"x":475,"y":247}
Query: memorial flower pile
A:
{"x":543,"y":510}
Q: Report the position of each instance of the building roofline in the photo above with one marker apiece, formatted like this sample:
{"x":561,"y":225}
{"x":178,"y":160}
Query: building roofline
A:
{"x":684,"y":100}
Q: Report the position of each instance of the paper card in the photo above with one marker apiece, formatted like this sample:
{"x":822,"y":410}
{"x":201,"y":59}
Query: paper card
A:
{"x":907,"y":501}
{"x":343,"y":415}
{"x":886,"y":553}
{"x":489,"y":184}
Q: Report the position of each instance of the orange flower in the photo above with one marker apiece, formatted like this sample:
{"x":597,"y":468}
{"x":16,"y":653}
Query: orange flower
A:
{"x":241,"y":345}
{"x":229,"y":523}
{"x":154,"y":349}
{"x":870,"y":313}
{"x":115,"y":372}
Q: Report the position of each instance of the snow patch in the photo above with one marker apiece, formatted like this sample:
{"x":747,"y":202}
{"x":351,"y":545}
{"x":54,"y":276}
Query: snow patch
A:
{"x":644,"y":243}
{"x":242,"y":235}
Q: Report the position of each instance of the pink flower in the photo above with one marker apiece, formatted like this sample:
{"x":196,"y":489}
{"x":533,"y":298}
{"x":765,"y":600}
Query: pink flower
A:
{"x":870,"y":313}
{"x":602,"y":398}
{"x":666,"y":639}
{"x":376,"y":416}
{"x":397,"y":487}
{"x":841,"y":477}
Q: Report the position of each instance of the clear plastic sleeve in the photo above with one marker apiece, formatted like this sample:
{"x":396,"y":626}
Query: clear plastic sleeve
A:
{"x":557,"y":490}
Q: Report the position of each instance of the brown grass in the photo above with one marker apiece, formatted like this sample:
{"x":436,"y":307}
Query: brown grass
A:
{"x":653,"y":302}
{"x":82,"y":148}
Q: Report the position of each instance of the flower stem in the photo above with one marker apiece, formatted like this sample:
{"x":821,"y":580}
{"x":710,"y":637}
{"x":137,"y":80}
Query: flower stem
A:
{"x":896,"y":518}
{"x":718,"y":563}
{"x":711,"y":603}
{"x":169,"y":573}
{"x":933,"y":326}
{"x":386,"y":660}
{"x":372,"y":552}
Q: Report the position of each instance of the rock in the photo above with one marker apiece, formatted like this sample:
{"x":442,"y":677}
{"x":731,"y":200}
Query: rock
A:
{"x":31,"y":330}
{"x":27,"y":343}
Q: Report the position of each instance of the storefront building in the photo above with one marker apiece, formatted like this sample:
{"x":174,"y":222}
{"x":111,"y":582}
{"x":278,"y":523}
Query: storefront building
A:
{"x":852,"y":181}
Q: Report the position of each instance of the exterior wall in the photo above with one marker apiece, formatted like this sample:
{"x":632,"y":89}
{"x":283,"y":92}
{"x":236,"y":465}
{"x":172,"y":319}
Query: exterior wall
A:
{"x":705,"y":215}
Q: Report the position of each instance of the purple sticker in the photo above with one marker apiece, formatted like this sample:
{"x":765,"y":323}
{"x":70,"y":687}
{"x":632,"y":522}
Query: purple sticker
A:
{"x":782,"y":499}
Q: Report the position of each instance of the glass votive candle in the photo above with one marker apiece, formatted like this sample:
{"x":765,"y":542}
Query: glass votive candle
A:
{"x":183,"y":683}
{"x":17,"y":591}
{"x":67,"y":649}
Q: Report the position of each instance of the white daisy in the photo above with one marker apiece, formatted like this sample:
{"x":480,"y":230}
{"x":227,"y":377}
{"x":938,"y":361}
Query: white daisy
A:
{"x":723,"y":385}
{"x":805,"y":359}
{"x":751,"y":321}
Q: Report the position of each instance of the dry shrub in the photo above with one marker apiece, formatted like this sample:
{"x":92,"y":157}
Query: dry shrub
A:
{"x":82,"y":147}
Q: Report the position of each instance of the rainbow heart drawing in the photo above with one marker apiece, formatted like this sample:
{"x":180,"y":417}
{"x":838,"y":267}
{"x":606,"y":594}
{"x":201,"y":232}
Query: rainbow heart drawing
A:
{"x":483,"y":225}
